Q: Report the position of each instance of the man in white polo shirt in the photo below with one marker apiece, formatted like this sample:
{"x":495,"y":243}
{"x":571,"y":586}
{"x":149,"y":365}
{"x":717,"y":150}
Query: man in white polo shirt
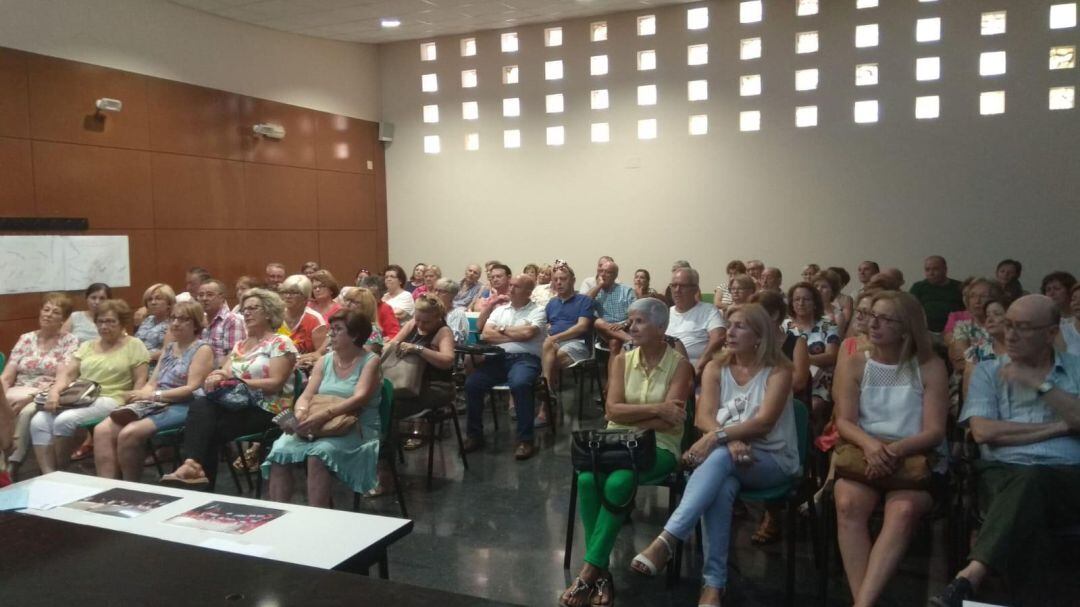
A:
{"x":698,"y":325}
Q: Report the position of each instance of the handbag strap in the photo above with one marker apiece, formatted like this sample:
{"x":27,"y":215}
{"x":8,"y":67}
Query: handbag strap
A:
{"x":625,"y":508}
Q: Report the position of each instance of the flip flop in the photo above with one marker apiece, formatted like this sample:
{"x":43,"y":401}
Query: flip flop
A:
{"x":651,"y":569}
{"x":172,"y":480}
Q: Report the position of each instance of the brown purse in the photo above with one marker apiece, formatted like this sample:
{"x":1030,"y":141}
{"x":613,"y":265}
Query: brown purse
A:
{"x":405,"y":372}
{"x":79,"y":393}
{"x":912,"y":474}
{"x":339,"y":425}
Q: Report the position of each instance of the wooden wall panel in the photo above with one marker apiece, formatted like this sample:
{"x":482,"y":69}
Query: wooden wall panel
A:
{"x":280,"y":198}
{"x":290,"y":247}
{"x":14,"y":95}
{"x":10,"y":330}
{"x":62,"y":96}
{"x":192,"y":192}
{"x":23,"y":305}
{"x":222,"y":252}
{"x":345,"y":252}
{"x":382,"y":236}
{"x":345,"y":144}
{"x":346,"y":201}
{"x":296,"y":149}
{"x":189,"y":119}
{"x":16,"y":178}
{"x":110,"y":186}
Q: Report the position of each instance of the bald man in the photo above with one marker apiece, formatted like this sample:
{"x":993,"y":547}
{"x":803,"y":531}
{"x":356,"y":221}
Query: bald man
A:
{"x":938,"y":294}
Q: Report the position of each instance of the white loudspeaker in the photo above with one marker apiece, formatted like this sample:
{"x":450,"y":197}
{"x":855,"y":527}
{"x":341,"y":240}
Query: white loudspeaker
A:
{"x":386,"y":131}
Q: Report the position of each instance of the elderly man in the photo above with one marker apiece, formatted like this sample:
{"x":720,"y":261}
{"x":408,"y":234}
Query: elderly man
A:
{"x":498,"y":287}
{"x":772,"y":279}
{"x":613,"y":301}
{"x":754,"y":269}
{"x":469,"y":287}
{"x":224,"y":329}
{"x":938,"y":294}
{"x":275,"y":275}
{"x":698,"y":325}
{"x":517,"y":326}
{"x":590,"y":282}
{"x":195,"y":276}
{"x":570,"y":318}
{"x":1024,"y":411}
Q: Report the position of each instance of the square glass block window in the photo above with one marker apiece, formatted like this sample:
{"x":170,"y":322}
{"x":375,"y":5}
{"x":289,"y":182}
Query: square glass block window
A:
{"x":511,"y":138}
{"x":1063,"y":15}
{"x":431,"y":114}
{"x":599,"y":132}
{"x":598,"y":31}
{"x":1062,"y":57}
{"x":993,"y":23}
{"x":553,"y":36}
{"x":804,"y":8}
{"x":697,"y":54}
{"x":751,"y":12}
{"x":472,"y":142}
{"x":928,"y":107}
{"x":432,"y":144}
{"x":927,"y":68}
{"x":992,"y":102}
{"x":697,"y":90}
{"x":646,"y":128}
{"x":749,"y":48}
{"x":429,"y":83}
{"x":511,"y":107}
{"x":750,"y":120}
{"x":468,"y":79}
{"x":866,"y":74}
{"x":866,"y":111}
{"x":866,"y":3}
{"x":699,"y":124}
{"x":470,"y":110}
{"x":697,"y":18}
{"x":598,"y":99}
{"x":646,"y":25}
{"x":866,"y":35}
{"x":510,"y":74}
{"x":553,"y":70}
{"x":928,"y":30}
{"x":510,"y":42}
{"x":806,"y":116}
{"x":646,"y":60}
{"x":992,"y":63}
{"x":646,"y":94}
{"x":427,"y":51}
{"x":750,"y":85}
{"x":598,"y":65}
{"x":1063,"y":98}
{"x":806,"y":80}
{"x":468,"y":47}
{"x":556,"y":135}
{"x":806,"y":42}
{"x":553,"y":104}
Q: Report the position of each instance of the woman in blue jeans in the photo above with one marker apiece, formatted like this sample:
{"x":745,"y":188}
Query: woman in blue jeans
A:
{"x":748,"y":440}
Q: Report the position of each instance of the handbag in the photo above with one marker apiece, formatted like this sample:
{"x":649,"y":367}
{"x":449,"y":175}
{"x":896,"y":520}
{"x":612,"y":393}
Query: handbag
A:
{"x":79,"y":393}
{"x":913,"y":473}
{"x":608,"y":450}
{"x":234,"y":395}
{"x":406,"y":373}
{"x":339,"y":425}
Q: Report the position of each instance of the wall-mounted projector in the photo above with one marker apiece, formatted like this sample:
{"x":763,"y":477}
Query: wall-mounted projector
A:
{"x":109,"y":105}
{"x":271,"y":131}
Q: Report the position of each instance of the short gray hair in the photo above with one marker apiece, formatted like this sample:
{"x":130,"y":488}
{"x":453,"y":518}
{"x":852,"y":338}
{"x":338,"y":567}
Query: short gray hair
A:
{"x":271,"y":304}
{"x":695,"y":278}
{"x":449,"y":285}
{"x":299,"y":282}
{"x":654,"y":310}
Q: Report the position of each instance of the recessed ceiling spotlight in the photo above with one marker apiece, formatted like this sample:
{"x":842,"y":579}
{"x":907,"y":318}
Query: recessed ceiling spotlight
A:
{"x":390,"y":22}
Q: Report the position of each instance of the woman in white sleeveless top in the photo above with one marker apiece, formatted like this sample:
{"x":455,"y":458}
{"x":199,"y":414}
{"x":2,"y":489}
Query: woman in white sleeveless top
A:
{"x":892,"y":404}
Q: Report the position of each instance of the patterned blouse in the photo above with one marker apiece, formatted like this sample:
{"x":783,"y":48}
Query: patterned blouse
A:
{"x":36,"y":368}
{"x":818,"y":338}
{"x":152,"y":333}
{"x":254,"y":363}
{"x":977,"y":338}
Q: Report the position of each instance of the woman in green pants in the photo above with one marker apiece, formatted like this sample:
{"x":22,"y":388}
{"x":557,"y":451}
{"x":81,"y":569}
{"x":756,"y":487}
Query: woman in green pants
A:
{"x":647,"y":389}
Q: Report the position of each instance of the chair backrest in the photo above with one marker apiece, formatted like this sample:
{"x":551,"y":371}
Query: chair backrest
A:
{"x":707,"y":297}
{"x":688,"y":426}
{"x":3,"y":360}
{"x":802,"y":429}
{"x":298,"y":385}
{"x":386,"y":409}
{"x":474,"y":331}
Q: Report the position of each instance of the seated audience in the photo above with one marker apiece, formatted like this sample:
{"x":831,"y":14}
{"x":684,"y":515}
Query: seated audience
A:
{"x":642,"y":289}
{"x":498,"y":288}
{"x":772,"y":280}
{"x":363,"y":301}
{"x":971,"y":332}
{"x":648,"y":387}
{"x":116,"y":361}
{"x":158,"y":300}
{"x":699,"y":326}
{"x":518,"y":327}
{"x":385,"y":319}
{"x":865,"y":272}
{"x":351,"y":374}
{"x":590,"y":282}
{"x":120,"y":440}
{"x":938,"y":293}
{"x":309,"y":268}
{"x":32,"y":367}
{"x":445,"y":291}
{"x":305,"y":327}
{"x":264,"y":362}
{"x":1008,"y":278}
{"x":992,"y":348}
{"x":417,"y":279}
{"x":1069,"y":340}
{"x":428,"y":338}
{"x":223,"y":328}
{"x":613,"y":301}
{"x":324,"y":292}
{"x":828,"y":286}
{"x":806,"y":318}
{"x":81,"y":324}
{"x":741,"y":287}
{"x":241,"y":285}
{"x":432,"y":273}
{"x":1057,"y":286}
{"x":544,"y":290}
{"x":809,"y":272}
{"x":680,"y":264}
{"x":570,"y":317}
{"x":194,"y":278}
{"x":846,"y":301}
{"x":722,"y":294}
{"x":884,"y":281}
{"x":747,"y":421}
{"x":754,"y":269}
{"x":896,"y":275}
{"x":395,"y":294}
{"x":1024,"y":411}
{"x":469,"y":288}
{"x":891,"y":406}
{"x":275,"y":274}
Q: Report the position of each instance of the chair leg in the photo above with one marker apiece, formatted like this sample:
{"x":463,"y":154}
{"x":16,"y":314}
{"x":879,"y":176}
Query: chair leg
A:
{"x":153,"y":455}
{"x":244,"y":461}
{"x":232,"y":471}
{"x":460,"y":440}
{"x":430,"y":456}
{"x":397,"y":486}
{"x":494,"y":411}
{"x":570,"y":520}
{"x":258,"y":473}
{"x":355,"y":501}
{"x":789,"y":545}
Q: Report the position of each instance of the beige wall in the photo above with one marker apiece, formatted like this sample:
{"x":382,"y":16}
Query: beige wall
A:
{"x":158,"y":38}
{"x":973,"y":188}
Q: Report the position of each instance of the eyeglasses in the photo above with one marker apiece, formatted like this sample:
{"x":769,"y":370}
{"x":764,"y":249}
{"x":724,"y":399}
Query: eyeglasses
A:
{"x":250,"y":310}
{"x":676,"y":286}
{"x":313,"y":287}
{"x":1023,"y":329}
{"x":107,"y":322}
{"x":862,"y":314}
{"x":284,"y":293}
{"x":881,"y":318}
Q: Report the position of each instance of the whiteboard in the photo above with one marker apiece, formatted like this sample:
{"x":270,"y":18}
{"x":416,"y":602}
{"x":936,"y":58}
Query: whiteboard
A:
{"x":33,"y":264}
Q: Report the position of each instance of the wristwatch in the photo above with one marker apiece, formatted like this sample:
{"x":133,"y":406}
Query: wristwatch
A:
{"x":721,"y":437}
{"x":157,"y":396}
{"x":1044,"y":387}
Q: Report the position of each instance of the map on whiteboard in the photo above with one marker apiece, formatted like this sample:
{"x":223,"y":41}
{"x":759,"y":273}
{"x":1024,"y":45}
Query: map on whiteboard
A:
{"x":33,"y":264}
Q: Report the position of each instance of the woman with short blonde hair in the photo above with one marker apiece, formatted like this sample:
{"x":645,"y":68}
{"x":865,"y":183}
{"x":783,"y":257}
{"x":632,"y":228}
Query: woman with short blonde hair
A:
{"x":158,"y":299}
{"x":306,"y":327}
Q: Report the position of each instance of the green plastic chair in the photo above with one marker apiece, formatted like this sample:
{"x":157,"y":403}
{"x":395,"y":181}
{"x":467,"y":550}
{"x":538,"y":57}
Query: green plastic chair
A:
{"x":264,"y":438}
{"x":708,"y":298}
{"x":387,"y":445}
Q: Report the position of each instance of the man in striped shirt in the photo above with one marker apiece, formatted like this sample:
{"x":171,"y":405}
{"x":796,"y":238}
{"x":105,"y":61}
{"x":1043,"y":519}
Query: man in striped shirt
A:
{"x":224,"y":329}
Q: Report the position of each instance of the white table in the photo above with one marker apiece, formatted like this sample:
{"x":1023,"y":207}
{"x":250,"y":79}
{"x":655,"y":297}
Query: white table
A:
{"x":316,"y":537}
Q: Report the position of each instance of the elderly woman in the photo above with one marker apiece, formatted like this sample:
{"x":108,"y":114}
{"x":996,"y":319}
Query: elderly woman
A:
{"x":806,"y":318}
{"x":158,"y":301}
{"x":417,"y":279}
{"x":352,"y":375}
{"x":810,"y":271}
{"x":427,"y":337}
{"x":242,"y":284}
{"x":363,"y":301}
{"x":722,"y":293}
{"x":544,"y":290}
{"x":647,"y":389}
{"x":828,"y":285}
{"x":32,"y":367}
{"x":747,"y":421}
{"x":264,"y":362}
{"x":324,"y":290}
{"x":162,"y":403}
{"x":891,"y":405}
{"x":117,"y":362}
{"x":431,"y":274}
{"x":971,"y":332}
{"x":306,"y":327}
{"x":81,"y":324}
{"x":740,"y":288}
{"x":1057,"y":286}
{"x":396,"y":296}
{"x":994,"y":323}
{"x":445,"y":291}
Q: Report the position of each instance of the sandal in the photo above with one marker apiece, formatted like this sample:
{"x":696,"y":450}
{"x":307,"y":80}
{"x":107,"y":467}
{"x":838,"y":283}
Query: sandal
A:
{"x":251,"y":456}
{"x":179,"y":478}
{"x":700,"y":604}
{"x":604,"y":593}
{"x":643,"y":565}
{"x":579,"y":594}
{"x":83,"y":452}
{"x":768,"y":531}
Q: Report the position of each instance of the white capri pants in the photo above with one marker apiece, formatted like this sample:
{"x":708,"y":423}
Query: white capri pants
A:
{"x":22,"y":422}
{"x":46,"y":425}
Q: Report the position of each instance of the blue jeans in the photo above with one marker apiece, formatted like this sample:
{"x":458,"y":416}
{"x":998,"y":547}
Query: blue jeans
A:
{"x":709,"y":495}
{"x":519,"y":371}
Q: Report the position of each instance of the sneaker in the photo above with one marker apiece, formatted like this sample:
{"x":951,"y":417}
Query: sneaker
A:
{"x":954,"y":594}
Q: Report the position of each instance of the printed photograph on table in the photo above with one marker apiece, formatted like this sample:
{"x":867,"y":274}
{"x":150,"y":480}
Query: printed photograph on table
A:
{"x":122,"y":503}
{"x":224,"y":517}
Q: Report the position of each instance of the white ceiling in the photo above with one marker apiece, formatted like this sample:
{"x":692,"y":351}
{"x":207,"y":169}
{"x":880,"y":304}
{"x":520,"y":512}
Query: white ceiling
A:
{"x":358,"y":20}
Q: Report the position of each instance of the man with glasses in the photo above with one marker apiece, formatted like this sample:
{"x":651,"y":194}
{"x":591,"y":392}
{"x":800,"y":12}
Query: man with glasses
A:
{"x":1023,"y":410}
{"x":938,"y":294}
{"x":698,"y":325}
{"x":613,"y":301}
{"x":754,"y":269}
{"x":224,"y":329}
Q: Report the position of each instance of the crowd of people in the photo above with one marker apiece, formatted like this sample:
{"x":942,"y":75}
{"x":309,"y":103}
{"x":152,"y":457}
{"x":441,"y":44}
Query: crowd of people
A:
{"x":880,"y":372}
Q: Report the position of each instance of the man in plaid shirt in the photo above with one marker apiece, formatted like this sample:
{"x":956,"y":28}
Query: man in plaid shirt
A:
{"x":224,"y":329}
{"x":613,"y":301}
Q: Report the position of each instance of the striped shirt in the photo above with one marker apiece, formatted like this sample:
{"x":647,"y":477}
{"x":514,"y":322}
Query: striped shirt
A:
{"x":225,"y":330}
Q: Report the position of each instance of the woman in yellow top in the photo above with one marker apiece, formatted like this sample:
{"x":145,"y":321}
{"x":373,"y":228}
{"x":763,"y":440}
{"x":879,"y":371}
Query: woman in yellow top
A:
{"x":647,"y":389}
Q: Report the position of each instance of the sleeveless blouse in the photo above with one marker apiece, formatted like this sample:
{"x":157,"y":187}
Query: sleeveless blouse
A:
{"x":740,"y":403}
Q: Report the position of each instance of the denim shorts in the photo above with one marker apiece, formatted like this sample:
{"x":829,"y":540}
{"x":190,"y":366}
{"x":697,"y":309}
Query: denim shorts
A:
{"x":173,"y":416}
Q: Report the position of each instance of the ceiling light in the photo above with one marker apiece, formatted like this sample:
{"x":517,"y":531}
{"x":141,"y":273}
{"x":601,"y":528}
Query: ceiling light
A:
{"x":390,"y":22}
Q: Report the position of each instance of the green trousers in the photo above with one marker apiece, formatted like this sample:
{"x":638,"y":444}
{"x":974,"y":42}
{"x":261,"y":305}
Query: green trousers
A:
{"x":601,"y":525}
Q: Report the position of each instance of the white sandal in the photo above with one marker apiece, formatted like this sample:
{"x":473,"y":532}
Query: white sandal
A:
{"x":649,"y":566}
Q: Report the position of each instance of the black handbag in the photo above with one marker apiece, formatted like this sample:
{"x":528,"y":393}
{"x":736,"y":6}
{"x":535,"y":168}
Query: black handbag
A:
{"x":605,"y":451}
{"x":234,"y":395}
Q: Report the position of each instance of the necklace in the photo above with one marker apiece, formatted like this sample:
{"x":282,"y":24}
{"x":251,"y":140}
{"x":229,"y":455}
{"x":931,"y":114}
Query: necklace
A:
{"x":343,"y":364}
